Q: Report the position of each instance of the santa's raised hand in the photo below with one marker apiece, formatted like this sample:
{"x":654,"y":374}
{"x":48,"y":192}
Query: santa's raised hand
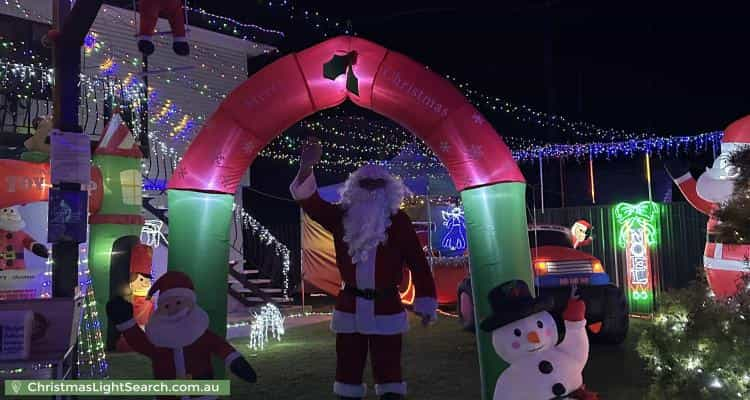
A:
{"x":311,"y":153}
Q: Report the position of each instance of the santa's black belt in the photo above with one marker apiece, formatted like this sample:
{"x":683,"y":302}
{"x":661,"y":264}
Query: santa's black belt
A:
{"x":369,"y":294}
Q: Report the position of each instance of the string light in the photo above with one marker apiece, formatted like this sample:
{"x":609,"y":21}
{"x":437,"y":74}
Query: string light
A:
{"x":288,"y":317}
{"x":33,"y":81}
{"x":268,"y":238}
{"x":686,"y":349}
{"x":18,"y":371}
{"x":663,"y":146}
{"x":47,"y":283}
{"x":92,"y":358}
{"x":338,"y":161}
{"x":268,"y":324}
{"x":232,"y":26}
{"x":91,"y":43}
{"x":380,"y":139}
{"x":454,"y":262}
{"x":108,"y":67}
{"x":185,"y":125}
{"x":324,"y":25}
{"x":527,"y":114}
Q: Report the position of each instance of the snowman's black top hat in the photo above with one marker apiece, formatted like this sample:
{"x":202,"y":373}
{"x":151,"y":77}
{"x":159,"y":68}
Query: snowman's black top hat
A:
{"x":512,"y":301}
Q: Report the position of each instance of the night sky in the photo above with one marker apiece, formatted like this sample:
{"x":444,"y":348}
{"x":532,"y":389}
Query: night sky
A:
{"x":665,"y":67}
{"x":675,"y":69}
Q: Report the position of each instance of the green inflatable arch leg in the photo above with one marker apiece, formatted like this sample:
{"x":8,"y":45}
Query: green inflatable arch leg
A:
{"x":102,"y":239}
{"x":499,"y":246}
{"x":199,"y":246}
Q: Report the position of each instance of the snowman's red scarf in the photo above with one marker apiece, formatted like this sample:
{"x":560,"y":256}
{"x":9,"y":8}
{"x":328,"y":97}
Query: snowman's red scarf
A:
{"x":581,"y":394}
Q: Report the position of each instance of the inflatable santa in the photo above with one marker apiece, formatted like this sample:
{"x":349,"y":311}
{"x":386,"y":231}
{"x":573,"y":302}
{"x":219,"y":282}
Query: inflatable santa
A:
{"x":13,"y":240}
{"x":177,"y":339}
{"x":724,"y":263}
{"x":373,"y":239}
{"x":525,"y":335}
{"x":173,"y":11}
{"x":581,"y":233}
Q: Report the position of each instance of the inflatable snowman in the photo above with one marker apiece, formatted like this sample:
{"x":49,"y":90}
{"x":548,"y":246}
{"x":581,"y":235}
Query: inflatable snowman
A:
{"x":724,"y":263}
{"x":525,"y":335}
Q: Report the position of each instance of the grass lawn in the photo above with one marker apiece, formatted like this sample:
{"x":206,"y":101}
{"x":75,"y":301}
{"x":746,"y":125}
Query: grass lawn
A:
{"x":440,"y":364}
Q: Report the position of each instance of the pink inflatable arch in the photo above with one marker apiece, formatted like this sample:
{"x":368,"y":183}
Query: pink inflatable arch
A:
{"x":387,"y":82}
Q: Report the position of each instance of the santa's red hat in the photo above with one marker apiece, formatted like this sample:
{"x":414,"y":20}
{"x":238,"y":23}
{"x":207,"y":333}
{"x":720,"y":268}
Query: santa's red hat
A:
{"x":583,"y":222}
{"x":173,"y":284}
{"x":736,"y":134}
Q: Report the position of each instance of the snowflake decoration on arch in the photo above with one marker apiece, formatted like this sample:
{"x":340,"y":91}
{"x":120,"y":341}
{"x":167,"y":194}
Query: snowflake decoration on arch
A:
{"x":248,"y":147}
{"x":226,"y":180}
{"x":219,"y":160}
{"x":445,"y":147}
{"x":477,"y":118}
{"x":181,"y":172}
{"x":475,"y":151}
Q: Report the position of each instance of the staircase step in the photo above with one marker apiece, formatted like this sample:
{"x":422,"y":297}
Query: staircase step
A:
{"x":255,"y":299}
{"x":249,"y":271}
{"x":259,"y":281}
{"x":281,"y":300}
{"x":270,"y":290}
{"x":242,"y":290}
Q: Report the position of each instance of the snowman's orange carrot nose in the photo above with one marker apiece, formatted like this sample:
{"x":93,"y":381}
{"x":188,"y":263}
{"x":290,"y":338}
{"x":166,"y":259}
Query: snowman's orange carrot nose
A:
{"x":532,"y":337}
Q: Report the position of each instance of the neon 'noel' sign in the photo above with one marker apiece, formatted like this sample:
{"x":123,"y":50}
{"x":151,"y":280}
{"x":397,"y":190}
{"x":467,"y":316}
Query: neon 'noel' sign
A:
{"x":637,"y":232}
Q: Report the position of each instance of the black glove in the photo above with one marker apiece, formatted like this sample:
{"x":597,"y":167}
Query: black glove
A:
{"x":40,"y":250}
{"x":676,"y":168}
{"x":242,"y":369}
{"x":119,"y":310}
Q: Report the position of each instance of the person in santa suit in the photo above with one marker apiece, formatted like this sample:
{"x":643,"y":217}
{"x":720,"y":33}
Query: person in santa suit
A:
{"x":173,"y":11}
{"x":13,"y":240}
{"x":177,"y":339}
{"x":725,"y":264}
{"x":373,"y":239}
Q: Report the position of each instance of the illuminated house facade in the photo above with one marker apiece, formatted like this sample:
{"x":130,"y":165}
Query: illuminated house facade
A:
{"x":182,"y":93}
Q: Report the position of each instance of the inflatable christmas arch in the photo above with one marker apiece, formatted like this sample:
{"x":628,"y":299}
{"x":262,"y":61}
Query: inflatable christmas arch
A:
{"x":323,"y":76}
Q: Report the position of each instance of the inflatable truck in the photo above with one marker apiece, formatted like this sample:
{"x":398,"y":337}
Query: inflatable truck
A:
{"x":557,"y":266}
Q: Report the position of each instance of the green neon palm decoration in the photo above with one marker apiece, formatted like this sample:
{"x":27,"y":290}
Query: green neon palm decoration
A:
{"x":642,"y":215}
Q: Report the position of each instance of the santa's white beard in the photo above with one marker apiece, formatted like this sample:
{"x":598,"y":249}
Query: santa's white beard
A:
{"x":712,"y":189}
{"x":178,"y":330}
{"x":12,"y":225}
{"x":367,"y":218}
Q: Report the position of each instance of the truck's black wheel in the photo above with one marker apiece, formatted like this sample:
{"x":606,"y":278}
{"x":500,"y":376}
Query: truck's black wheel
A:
{"x":465,"y":305}
{"x":612,"y":310}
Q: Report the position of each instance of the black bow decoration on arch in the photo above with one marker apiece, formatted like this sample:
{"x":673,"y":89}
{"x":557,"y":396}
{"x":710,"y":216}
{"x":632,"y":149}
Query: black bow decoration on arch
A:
{"x":342,"y":64}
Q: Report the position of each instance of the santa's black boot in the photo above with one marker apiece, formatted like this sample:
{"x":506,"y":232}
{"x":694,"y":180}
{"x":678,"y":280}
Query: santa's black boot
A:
{"x":181,"y":48}
{"x":391,"y":396}
{"x":146,"y":47}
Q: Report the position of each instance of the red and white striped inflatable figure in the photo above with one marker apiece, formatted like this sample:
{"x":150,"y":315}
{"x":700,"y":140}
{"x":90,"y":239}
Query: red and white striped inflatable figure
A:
{"x":724,"y":263}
